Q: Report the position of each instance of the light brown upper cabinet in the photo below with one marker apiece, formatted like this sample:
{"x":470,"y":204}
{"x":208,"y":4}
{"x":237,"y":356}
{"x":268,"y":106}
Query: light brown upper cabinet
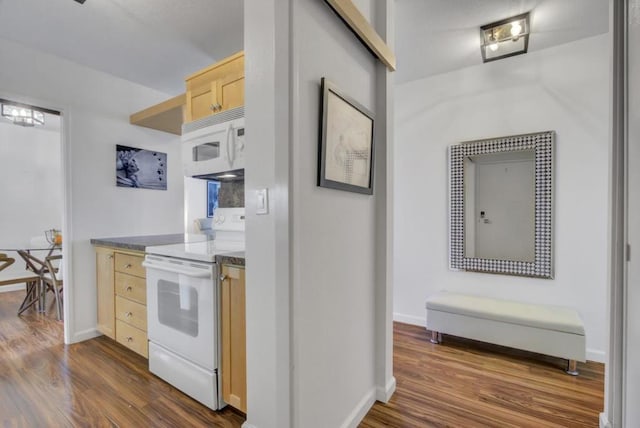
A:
{"x":216,"y":88}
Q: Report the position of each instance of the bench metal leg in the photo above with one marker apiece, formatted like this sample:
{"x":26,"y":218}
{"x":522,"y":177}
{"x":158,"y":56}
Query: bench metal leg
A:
{"x":435,"y":337}
{"x":572,"y":368}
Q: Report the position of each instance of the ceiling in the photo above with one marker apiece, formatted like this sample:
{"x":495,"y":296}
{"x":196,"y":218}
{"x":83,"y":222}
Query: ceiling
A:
{"x":157,"y":43}
{"x":439,"y":36}
{"x":152,"y":42}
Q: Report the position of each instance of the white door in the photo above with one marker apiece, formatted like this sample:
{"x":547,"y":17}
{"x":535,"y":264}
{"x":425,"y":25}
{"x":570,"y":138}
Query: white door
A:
{"x":181,"y":308}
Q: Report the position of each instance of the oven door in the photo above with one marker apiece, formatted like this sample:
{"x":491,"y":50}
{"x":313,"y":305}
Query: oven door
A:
{"x":182,"y":303}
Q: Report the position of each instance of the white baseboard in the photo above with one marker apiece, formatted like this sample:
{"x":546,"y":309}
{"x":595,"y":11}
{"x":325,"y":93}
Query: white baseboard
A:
{"x":81,"y":336}
{"x":597,"y":356}
{"x":360,"y":411}
{"x":12,"y":287}
{"x":604,"y":422}
{"x":384,"y":394}
{"x":410,"y":319}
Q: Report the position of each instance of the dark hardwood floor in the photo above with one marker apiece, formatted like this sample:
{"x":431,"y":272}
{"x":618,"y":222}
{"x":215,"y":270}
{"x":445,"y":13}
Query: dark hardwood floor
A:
{"x":461,"y":383}
{"x":96,"y":383}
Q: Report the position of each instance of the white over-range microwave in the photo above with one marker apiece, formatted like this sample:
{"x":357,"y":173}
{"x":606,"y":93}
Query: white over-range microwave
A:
{"x":214,"y":144}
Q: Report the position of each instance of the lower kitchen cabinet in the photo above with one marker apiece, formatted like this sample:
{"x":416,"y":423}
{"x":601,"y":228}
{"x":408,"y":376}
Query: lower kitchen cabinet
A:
{"x":106,"y":296}
{"x":122,"y":297}
{"x":234,"y":343}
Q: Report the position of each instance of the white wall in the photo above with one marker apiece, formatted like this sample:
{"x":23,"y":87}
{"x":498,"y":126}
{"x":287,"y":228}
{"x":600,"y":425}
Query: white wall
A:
{"x":565,"y":89}
{"x":31,"y":194}
{"x":316,"y":346}
{"x":267,"y":111}
{"x":96,"y":109}
{"x":632,"y":326}
{"x":334,"y":233}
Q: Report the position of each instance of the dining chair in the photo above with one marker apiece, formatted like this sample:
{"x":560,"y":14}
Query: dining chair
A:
{"x":53,"y":280}
{"x":27,"y":277}
{"x":5,"y":261}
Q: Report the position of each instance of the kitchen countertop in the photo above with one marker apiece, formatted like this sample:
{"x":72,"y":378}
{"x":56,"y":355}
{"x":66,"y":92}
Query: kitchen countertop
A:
{"x":140,"y":243}
{"x":236,"y":258}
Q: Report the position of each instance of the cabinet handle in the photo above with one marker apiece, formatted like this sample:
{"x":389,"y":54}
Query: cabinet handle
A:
{"x":129,"y":288}
{"x":129,"y":339}
{"x":110,"y":256}
{"x":223,"y":277}
{"x":212,"y":107}
{"x":128,"y":314}
{"x":218,"y":107}
{"x":127,"y":266}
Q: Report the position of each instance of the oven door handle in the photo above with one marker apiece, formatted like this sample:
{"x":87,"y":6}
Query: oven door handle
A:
{"x":183,"y":271}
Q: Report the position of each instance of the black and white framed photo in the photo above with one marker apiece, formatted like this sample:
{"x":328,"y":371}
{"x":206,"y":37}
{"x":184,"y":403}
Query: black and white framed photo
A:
{"x":212,"y":197}
{"x":346,"y":147}
{"x":140,"y":168}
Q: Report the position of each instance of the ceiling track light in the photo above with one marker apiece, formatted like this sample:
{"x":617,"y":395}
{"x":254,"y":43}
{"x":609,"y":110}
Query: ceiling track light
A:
{"x":22,"y":115}
{"x":505,"y":38}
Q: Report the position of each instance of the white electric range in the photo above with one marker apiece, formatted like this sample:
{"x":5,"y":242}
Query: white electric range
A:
{"x":183,"y":320}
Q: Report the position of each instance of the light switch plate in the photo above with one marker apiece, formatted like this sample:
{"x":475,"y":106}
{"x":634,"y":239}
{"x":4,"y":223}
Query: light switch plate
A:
{"x":262,"y":199}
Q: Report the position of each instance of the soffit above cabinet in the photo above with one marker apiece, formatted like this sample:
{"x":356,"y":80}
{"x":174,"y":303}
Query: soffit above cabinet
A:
{"x":166,"y":116}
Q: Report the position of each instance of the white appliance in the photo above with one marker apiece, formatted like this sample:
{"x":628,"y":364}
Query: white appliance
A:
{"x":183,"y":301}
{"x":214,"y":144}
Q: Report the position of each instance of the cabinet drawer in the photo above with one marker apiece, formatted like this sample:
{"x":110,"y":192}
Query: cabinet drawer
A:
{"x":130,"y":264}
{"x":133,"y":338}
{"x":131,"y":312}
{"x":131,"y":287}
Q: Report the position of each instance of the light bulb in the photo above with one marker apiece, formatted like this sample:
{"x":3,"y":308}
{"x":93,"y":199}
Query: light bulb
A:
{"x":516,"y":29}
{"x":493,"y":47}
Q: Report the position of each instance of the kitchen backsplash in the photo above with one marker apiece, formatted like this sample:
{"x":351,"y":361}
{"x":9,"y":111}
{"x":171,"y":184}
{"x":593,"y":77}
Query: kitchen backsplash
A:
{"x":231,"y":194}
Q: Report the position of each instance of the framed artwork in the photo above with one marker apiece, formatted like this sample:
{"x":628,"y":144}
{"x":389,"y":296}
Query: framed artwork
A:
{"x":213,"y":188}
{"x":346,"y":147}
{"x":140,"y":168}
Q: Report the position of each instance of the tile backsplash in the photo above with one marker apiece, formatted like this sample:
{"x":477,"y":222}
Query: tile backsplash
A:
{"x":231,"y":194}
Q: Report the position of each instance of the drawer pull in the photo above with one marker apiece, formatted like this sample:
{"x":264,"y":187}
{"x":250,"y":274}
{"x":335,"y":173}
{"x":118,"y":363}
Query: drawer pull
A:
{"x":127,"y":266}
{"x":128,"y":314}
{"x":110,"y":256}
{"x":129,"y":288}
{"x":129,"y":339}
{"x":223,"y":277}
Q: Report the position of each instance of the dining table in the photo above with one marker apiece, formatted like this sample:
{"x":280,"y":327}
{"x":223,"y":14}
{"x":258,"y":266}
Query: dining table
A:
{"x":34,"y":255}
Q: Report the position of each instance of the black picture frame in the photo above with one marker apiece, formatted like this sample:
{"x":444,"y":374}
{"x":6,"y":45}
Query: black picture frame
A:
{"x":140,"y":168}
{"x":345,"y":165}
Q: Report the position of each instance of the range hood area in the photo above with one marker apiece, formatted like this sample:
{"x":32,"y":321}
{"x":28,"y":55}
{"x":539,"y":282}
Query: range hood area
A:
{"x":224,"y":176}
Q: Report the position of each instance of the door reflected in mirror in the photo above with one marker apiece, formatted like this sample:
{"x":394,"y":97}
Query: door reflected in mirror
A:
{"x":499,"y":212}
{"x":501,"y":205}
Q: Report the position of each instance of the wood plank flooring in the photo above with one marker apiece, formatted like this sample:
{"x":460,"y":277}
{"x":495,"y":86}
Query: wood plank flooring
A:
{"x":97,"y":383}
{"x":462,"y":383}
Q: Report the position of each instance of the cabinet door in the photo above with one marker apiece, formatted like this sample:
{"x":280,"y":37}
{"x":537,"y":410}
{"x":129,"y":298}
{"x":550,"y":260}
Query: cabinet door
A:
{"x":234,"y":359}
{"x":231,"y":93}
{"x":105,"y":285}
{"x":201,"y":101}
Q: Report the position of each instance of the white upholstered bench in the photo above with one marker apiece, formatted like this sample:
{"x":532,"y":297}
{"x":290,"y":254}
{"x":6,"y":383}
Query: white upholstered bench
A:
{"x":545,"y":329}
